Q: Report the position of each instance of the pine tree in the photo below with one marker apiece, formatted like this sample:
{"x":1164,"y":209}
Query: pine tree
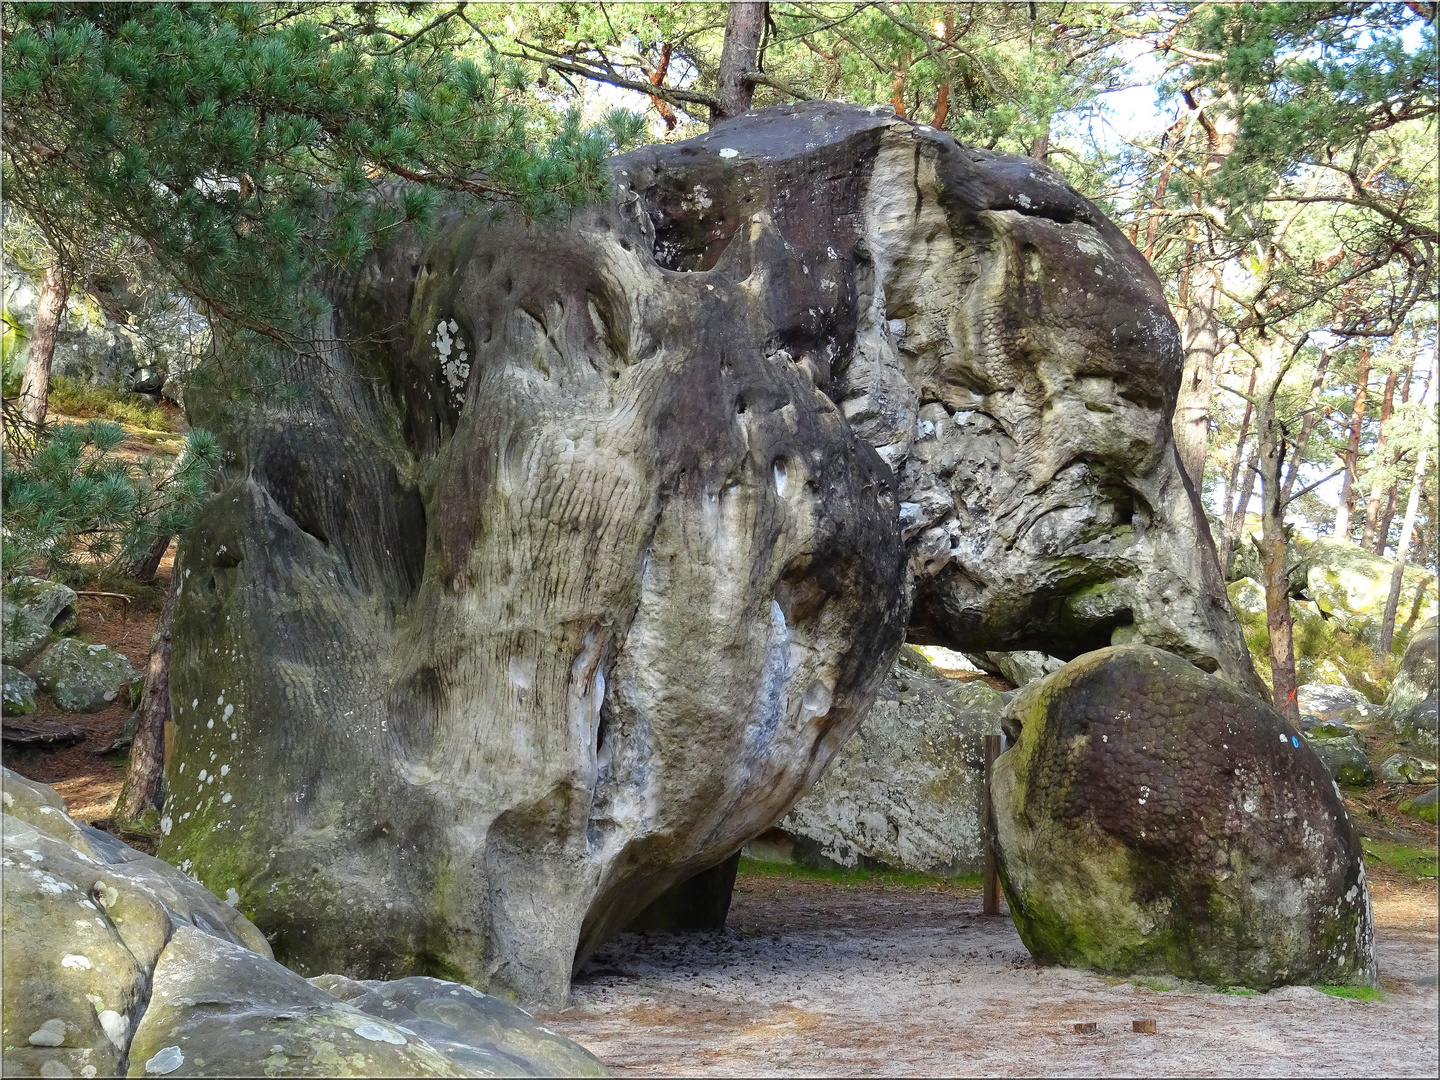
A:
{"x":248,"y":144}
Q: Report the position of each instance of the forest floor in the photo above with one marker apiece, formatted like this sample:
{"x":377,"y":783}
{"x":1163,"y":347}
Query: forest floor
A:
{"x":843,"y":978}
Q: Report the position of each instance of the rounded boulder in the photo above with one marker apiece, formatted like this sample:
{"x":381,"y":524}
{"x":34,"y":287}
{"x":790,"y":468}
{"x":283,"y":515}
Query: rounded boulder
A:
{"x":83,"y":678}
{"x":1150,"y":818}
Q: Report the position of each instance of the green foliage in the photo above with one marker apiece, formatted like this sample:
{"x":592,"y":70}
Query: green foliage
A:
{"x":14,"y":339}
{"x":1412,"y":860}
{"x":1354,"y":993}
{"x":77,"y":508}
{"x":1424,"y":813}
{"x":247,"y":144}
{"x":82,"y":400}
{"x":1010,"y":74}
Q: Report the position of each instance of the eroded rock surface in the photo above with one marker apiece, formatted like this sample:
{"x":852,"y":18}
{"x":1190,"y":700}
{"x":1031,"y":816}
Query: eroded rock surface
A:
{"x":907,"y":791}
{"x":1412,"y":704}
{"x":83,"y":678}
{"x":35,"y":610}
{"x":220,"y":1010}
{"x":19,"y":692}
{"x":572,"y":574}
{"x":1353,"y":585}
{"x":115,"y":962}
{"x":1151,"y":818}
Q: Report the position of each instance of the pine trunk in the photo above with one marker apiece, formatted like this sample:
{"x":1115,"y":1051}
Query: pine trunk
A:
{"x":744,"y":22}
{"x":35,"y":388}
{"x":1382,"y":534}
{"x":144,"y":788}
{"x":1345,"y":512}
{"x":147,"y":567}
{"x":1274,"y":550}
{"x":1202,"y":334}
{"x":1377,"y":479}
{"x":1235,"y":517}
{"x":1397,"y":576}
{"x":1382,"y":538}
{"x":1192,"y":407}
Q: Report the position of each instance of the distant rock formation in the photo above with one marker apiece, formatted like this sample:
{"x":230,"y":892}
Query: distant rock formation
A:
{"x":907,"y":792}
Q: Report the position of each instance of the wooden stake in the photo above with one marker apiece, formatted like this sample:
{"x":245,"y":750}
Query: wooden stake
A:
{"x":992,"y":880}
{"x":1143,"y":1027}
{"x":1085,"y":1029}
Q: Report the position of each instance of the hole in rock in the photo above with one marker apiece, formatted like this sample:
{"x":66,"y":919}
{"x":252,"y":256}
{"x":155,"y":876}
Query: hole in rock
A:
{"x":782,"y":475}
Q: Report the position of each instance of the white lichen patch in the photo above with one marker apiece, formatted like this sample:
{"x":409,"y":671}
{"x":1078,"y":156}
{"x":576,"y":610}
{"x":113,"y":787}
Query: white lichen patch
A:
{"x":376,"y":1033}
{"x":454,"y":368}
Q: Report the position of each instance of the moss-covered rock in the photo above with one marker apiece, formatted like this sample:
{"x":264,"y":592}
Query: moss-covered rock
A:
{"x":1345,"y":580}
{"x":1405,"y":769}
{"x":112,"y":956}
{"x":1326,"y":652}
{"x":1343,"y":755}
{"x":907,"y":790}
{"x":19,"y":692}
{"x":85,"y":919}
{"x":35,"y":610}
{"x":1422,"y":806}
{"x":83,"y":678}
{"x":1412,"y":704}
{"x":1152,"y":819}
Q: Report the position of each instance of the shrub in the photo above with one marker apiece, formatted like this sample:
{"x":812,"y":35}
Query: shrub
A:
{"x":75,"y":509}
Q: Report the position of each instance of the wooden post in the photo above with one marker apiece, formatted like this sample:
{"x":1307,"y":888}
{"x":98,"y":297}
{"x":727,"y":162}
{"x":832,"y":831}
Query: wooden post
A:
{"x":992,"y":879}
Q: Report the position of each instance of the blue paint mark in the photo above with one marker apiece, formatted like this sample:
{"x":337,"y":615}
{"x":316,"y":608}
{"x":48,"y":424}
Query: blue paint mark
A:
{"x":1295,"y":742}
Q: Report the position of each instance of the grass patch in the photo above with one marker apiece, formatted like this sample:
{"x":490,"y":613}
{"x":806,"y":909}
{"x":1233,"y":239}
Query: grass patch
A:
{"x":74,"y":398}
{"x":1412,"y":860}
{"x":1154,"y":984}
{"x":1353,"y":993}
{"x":1237,"y":991}
{"x":843,"y":876}
{"x":1424,"y":813}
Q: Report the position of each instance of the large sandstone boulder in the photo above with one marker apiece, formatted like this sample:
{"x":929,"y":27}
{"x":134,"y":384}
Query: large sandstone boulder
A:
{"x":1329,"y":702}
{"x":573,"y":571}
{"x":111,"y":956}
{"x":1351,"y":584}
{"x":1151,"y":818}
{"x":219,"y":1010}
{"x":1343,"y":755}
{"x":908,"y":790}
{"x":1412,"y":704}
{"x":86,"y":919}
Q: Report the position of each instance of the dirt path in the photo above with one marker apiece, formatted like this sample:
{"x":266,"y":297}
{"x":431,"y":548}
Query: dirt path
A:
{"x":813,"y":977}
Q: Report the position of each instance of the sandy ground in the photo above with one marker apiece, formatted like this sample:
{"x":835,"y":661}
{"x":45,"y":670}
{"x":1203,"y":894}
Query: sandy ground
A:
{"x":815,"y":977}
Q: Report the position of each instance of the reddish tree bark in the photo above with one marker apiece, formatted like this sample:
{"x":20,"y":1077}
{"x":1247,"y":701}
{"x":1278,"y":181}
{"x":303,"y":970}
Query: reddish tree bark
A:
{"x":657,"y":78}
{"x":744,"y":23}
{"x":144,"y":789}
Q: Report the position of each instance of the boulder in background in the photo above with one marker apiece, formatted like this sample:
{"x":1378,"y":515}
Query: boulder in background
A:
{"x":1151,"y":818}
{"x":83,"y":678}
{"x":907,"y":791}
